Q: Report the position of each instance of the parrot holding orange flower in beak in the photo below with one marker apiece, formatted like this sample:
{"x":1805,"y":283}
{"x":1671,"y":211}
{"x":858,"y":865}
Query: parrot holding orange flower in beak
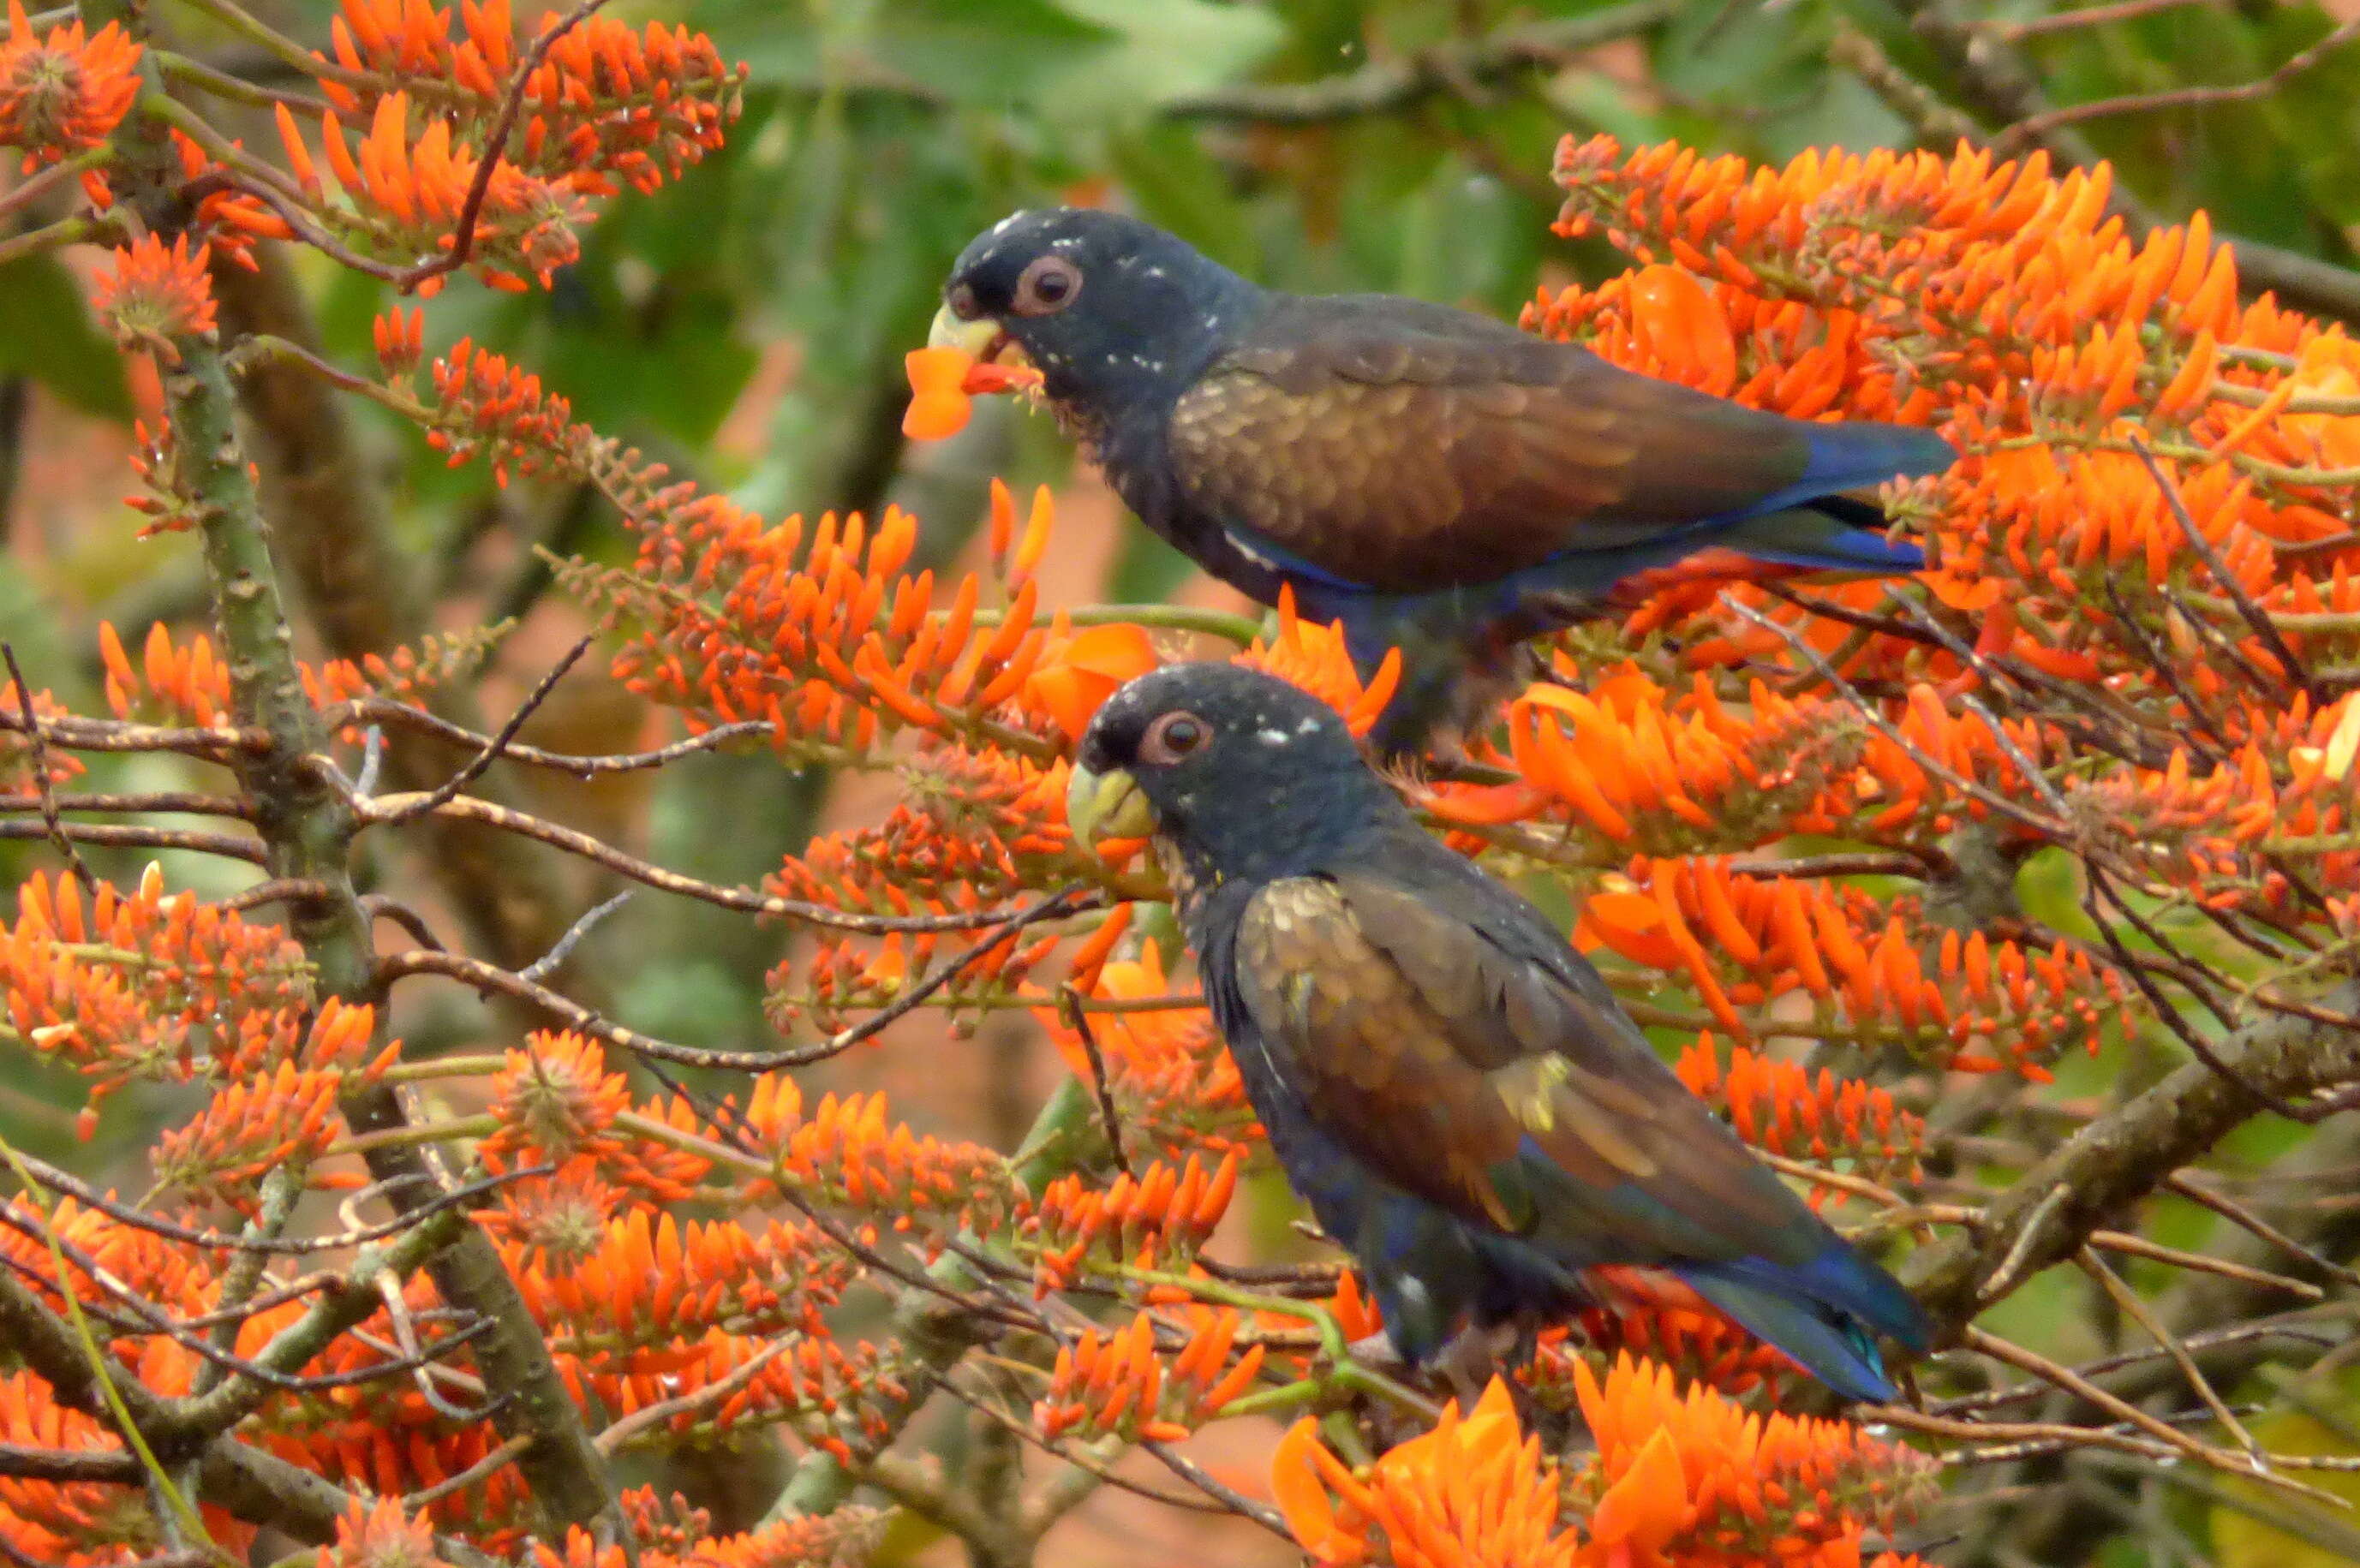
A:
{"x":1435,"y":480}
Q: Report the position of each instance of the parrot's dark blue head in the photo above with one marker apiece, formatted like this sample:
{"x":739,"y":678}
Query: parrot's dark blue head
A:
{"x":1115,"y":314}
{"x":1239,"y":772}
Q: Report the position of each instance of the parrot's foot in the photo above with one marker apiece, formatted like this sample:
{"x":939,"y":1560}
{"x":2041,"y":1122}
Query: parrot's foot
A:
{"x":1377,"y":1353}
{"x":1474,"y":1357}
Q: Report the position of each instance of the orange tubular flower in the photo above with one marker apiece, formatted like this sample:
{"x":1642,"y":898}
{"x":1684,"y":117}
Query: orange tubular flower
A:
{"x":1172,"y":1081}
{"x":1474,"y":1491}
{"x":650,"y":1281}
{"x":1079,"y":672}
{"x":1630,"y":763}
{"x":381,"y":1535}
{"x":942,"y":380}
{"x":64,"y":94}
{"x":846,"y":1151}
{"x":1117,"y":1385}
{"x":1696,"y":1481}
{"x":1313,"y":657}
{"x":1154,"y":1220}
{"x":154,"y":295}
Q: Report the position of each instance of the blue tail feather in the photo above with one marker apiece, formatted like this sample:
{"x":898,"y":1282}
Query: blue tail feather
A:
{"x":1829,"y":1347}
{"x":1847,"y":456}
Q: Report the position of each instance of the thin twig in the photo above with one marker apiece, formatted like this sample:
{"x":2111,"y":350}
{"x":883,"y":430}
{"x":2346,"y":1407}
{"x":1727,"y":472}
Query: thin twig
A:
{"x":387,"y":710}
{"x":2236,"y":1214}
{"x":541,"y":968}
{"x":2264,"y":627}
{"x":2137,"y":1310}
{"x":41,"y":782}
{"x":140,"y":836}
{"x":747,"y":900}
{"x":609,"y":1442}
{"x":1070,"y":1013}
{"x":50,"y":1176}
{"x":423,"y":805}
{"x":2039,"y":124}
{"x":2122,"y":1410}
{"x":2087,"y":16}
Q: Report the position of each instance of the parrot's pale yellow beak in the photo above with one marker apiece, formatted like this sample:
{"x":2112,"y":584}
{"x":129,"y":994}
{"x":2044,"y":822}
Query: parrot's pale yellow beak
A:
{"x":1100,"y":806}
{"x":979,"y":339}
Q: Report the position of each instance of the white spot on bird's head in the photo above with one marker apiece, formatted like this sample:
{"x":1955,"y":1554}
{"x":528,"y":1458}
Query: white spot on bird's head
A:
{"x":1273,"y":737}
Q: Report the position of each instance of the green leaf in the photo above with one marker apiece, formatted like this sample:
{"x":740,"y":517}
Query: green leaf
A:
{"x":1168,"y":51}
{"x":955,"y":50}
{"x":47,"y":334}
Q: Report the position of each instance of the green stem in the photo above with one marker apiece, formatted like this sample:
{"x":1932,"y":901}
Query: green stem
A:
{"x":64,"y":231}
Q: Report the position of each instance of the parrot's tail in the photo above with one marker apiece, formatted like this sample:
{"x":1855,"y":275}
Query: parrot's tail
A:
{"x":1821,"y":1315}
{"x":1834,"y":535}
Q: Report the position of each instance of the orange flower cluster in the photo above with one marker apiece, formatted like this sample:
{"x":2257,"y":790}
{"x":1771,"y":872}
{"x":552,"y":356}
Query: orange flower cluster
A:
{"x":555,"y":1102}
{"x":972,"y":829}
{"x":154,"y":295}
{"x":1313,"y":656}
{"x":1677,"y":1481}
{"x":1119,"y":1385}
{"x":2009,"y":307}
{"x":1172,"y":1079}
{"x":1154,"y":1220}
{"x":1778,"y":1105}
{"x":605,"y":103}
{"x":287,"y":1118}
{"x":1633,"y":764}
{"x":80,"y":1524}
{"x":651,"y":1280}
{"x":64,"y":94}
{"x":604,"y":99}
{"x":382,"y":1534}
{"x":188,"y":684}
{"x":408,"y":196}
{"x":846,"y":1151}
{"x":1697,"y":1343}
{"x":828,"y":638}
{"x":1695,"y":1480}
{"x":1967,"y":1002}
{"x":146,"y":985}
{"x":843,"y":1539}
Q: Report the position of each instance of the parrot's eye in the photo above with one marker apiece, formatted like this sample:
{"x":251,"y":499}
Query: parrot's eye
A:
{"x":1048,"y":286}
{"x":1173,"y":737}
{"x":962,"y":303}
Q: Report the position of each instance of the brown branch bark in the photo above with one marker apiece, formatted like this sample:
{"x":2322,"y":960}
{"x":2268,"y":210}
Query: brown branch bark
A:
{"x":2122,"y":1157}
